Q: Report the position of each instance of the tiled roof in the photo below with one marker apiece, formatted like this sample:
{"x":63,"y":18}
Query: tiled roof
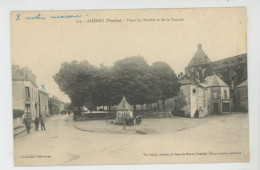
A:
{"x":199,"y":58}
{"x":231,"y":61}
{"x":243,"y":84}
{"x":213,"y":81}
{"x":124,"y":105}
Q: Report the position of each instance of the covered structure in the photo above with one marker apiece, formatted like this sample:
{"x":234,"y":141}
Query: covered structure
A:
{"x":123,"y":110}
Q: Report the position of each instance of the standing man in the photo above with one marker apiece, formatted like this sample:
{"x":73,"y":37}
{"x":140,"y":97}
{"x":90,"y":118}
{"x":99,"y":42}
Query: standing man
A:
{"x":42,"y":123}
{"x":27,"y":122}
{"x":36,"y":121}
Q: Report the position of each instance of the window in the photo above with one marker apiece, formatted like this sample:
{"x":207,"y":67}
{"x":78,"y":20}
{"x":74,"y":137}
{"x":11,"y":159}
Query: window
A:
{"x":215,"y":95}
{"x":232,"y":84}
{"x":194,"y":90}
{"x":27,"y":92}
{"x":27,"y":109}
{"x":225,"y":94}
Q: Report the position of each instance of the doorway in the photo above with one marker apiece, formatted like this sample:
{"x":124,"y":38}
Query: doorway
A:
{"x":215,"y":108}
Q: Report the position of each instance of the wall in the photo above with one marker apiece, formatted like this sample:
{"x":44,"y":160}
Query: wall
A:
{"x":18,"y":91}
{"x":17,"y":122}
{"x":241,"y":99}
{"x":202,"y":102}
{"x":193,"y":100}
{"x":184,"y":100}
{"x":44,"y":103}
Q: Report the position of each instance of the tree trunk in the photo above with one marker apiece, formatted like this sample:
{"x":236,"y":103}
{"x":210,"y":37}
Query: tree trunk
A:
{"x":134,"y":106}
{"x":109,"y":109}
{"x":163,"y":104}
{"x":79,"y":110}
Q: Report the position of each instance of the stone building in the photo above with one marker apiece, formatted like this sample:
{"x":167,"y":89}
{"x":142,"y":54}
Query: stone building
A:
{"x":43,"y":103}
{"x":241,"y":97}
{"x":54,"y":105}
{"x":218,"y":95}
{"x":192,"y":100}
{"x":232,"y":71}
{"x":199,"y":100}
{"x":25,"y":91}
{"x":199,"y":67}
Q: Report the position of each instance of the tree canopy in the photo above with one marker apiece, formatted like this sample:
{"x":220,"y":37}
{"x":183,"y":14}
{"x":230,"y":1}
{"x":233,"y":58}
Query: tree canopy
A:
{"x":91,"y":86}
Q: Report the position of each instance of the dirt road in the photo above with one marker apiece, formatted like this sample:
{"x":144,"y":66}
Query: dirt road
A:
{"x":211,"y":139}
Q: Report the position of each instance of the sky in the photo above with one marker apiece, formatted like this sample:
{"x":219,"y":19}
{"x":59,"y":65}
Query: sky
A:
{"x":43,"y":44}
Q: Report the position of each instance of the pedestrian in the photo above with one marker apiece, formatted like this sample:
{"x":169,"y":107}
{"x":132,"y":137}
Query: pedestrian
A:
{"x":36,"y":121}
{"x":42,"y":123}
{"x":27,"y":122}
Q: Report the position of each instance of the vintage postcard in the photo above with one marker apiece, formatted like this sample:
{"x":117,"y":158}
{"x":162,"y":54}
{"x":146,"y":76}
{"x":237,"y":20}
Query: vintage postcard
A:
{"x":147,"y":86}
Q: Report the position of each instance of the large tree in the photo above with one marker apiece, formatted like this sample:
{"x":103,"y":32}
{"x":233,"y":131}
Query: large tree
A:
{"x":168,"y":82}
{"x":78,"y":81}
{"x":91,"y":86}
{"x":132,"y":77}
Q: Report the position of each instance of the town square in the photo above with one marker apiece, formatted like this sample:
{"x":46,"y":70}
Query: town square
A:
{"x":163,"y":91}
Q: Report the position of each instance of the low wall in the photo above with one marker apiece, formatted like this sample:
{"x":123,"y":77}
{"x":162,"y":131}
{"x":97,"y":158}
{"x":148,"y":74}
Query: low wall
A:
{"x":150,"y":113}
{"x":17,"y":122}
{"x":94,"y":116}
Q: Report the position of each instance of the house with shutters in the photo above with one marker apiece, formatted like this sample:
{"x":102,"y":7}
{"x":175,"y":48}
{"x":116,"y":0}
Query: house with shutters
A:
{"x":25,"y":91}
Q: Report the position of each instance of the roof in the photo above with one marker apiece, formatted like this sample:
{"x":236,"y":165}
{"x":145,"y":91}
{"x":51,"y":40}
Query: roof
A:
{"x":124,"y":105}
{"x":43,"y":92}
{"x":186,"y":81}
{"x":213,"y":81}
{"x":231,"y":61}
{"x":199,"y":58}
{"x":16,"y":75}
{"x":243,"y":84}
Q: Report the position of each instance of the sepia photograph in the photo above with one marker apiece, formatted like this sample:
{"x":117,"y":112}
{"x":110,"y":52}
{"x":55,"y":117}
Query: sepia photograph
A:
{"x":143,"y":86}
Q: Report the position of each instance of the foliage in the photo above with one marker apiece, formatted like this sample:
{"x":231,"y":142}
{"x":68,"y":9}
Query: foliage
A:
{"x":168,"y":82}
{"x":92,"y":86}
{"x":17,"y":113}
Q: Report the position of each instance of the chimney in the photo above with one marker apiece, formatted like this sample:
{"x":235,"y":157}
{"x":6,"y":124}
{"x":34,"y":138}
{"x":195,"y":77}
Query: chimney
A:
{"x":199,"y":46}
{"x":15,"y":67}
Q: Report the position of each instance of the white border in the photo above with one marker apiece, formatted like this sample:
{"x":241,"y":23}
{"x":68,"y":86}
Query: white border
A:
{"x":253,"y":31}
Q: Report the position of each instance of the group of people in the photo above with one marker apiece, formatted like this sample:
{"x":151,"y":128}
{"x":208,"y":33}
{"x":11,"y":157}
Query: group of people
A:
{"x":38,"y":120}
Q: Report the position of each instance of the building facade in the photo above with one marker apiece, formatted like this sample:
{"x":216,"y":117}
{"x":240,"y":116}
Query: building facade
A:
{"x":241,"y":97}
{"x":43,"y":103}
{"x":54,"y":105}
{"x":192,"y":100}
{"x":218,"y":95}
{"x":232,"y":71}
{"x":25,"y":91}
